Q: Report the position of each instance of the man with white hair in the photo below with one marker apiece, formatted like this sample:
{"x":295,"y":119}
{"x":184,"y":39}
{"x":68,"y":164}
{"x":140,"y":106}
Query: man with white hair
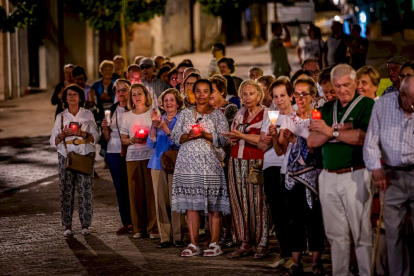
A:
{"x":390,"y":137}
{"x":344,"y":183}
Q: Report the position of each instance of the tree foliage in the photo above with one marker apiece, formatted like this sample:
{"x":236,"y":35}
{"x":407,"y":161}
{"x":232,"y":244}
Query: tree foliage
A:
{"x":101,"y":14}
{"x":22,"y":16}
{"x":106,"y":14}
{"x":225,"y":7}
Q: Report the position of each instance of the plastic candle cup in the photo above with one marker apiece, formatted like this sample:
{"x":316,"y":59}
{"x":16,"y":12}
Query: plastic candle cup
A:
{"x":196,"y":129}
{"x":140,"y":134}
{"x":273,"y":115}
{"x":316,"y":114}
{"x":108,"y":116}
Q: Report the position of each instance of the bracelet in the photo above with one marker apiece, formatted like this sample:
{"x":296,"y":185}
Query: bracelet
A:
{"x":130,"y":141}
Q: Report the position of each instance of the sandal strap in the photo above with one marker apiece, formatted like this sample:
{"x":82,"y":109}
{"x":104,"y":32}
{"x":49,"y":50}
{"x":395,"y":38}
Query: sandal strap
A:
{"x":193,"y":246}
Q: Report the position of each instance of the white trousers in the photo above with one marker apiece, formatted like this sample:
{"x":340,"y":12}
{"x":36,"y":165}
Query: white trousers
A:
{"x":346,"y":207}
{"x":397,"y":196}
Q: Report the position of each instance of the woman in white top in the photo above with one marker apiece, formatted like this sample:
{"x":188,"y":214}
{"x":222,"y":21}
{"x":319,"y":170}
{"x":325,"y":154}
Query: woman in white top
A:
{"x":115,"y":157}
{"x":301,"y":180}
{"x":134,"y":130}
{"x":274,"y":167}
{"x":80,"y":139}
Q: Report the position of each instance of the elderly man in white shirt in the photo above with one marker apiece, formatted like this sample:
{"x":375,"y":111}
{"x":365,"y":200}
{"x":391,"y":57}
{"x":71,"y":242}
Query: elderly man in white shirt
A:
{"x":390,"y":136}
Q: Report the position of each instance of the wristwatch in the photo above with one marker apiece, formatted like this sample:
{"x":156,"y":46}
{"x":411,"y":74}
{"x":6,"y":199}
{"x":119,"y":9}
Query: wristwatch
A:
{"x":335,"y":133}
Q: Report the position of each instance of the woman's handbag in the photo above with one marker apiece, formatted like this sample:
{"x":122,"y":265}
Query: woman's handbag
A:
{"x":75,"y":162}
{"x":168,"y":160}
{"x":255,"y":176}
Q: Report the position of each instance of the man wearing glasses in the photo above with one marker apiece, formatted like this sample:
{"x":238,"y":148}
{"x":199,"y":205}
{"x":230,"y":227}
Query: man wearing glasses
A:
{"x":155,"y":86}
{"x":312,"y":66}
{"x":344,"y":183}
{"x":394,"y":68}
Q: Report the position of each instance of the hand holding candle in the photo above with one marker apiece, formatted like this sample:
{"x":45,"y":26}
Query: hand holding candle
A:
{"x":316,"y":114}
{"x":273,"y":115}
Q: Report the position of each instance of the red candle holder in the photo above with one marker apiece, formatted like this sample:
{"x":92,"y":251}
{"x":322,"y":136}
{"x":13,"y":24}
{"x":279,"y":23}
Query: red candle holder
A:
{"x":196,"y":129}
{"x":316,"y":114}
{"x":140,"y":133}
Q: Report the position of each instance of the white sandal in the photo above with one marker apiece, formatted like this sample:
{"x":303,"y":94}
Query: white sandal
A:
{"x":213,"y":248}
{"x":191,"y":253}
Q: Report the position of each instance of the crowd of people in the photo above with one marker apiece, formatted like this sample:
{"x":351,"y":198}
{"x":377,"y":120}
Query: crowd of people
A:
{"x":295,"y":155}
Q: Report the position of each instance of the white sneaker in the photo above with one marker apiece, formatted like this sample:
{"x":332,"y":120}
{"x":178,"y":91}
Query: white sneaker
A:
{"x":279,"y":262}
{"x":137,"y":235}
{"x":85,"y":231}
{"x":68,"y":233}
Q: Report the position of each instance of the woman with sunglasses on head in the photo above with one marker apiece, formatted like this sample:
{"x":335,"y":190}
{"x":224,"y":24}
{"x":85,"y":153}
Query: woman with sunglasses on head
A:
{"x":301,"y":180}
{"x":115,"y":155}
{"x":199,"y":184}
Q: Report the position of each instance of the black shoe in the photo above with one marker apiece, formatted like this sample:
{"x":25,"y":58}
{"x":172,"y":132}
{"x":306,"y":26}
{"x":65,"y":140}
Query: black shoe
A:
{"x":179,"y":244}
{"x":164,"y":244}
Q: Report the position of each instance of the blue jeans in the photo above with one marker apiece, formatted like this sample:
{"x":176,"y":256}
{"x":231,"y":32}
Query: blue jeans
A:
{"x":117,"y":167}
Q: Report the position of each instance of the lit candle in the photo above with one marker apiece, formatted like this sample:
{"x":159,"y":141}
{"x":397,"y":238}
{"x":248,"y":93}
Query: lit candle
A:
{"x":141,"y":133}
{"x":74,"y":127}
{"x":273,"y":115}
{"x":108,"y":116}
{"x":196,"y":129}
{"x":316,"y":114}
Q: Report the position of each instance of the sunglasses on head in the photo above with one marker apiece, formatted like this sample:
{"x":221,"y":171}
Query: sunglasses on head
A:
{"x":145,"y":67}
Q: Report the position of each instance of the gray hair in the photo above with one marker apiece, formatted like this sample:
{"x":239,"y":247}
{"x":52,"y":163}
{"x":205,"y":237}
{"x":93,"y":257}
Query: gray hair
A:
{"x":190,"y":70}
{"x":257,"y":69}
{"x":343,"y":70}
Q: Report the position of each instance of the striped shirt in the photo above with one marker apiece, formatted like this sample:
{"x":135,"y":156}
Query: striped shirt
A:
{"x":390,"y":135}
{"x":155,"y":88}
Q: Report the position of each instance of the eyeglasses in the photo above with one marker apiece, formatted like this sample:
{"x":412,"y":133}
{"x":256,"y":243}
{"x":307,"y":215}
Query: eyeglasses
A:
{"x":402,"y":76}
{"x":143,"y":67}
{"x":189,"y":83}
{"x":123,"y":90}
{"x":297,"y":95}
{"x":316,"y":72}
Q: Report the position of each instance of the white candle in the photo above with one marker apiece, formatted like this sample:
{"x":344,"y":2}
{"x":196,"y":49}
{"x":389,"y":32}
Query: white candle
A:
{"x":108,"y":116}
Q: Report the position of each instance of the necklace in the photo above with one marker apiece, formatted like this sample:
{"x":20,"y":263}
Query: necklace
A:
{"x":253,"y":114}
{"x":172,"y":117}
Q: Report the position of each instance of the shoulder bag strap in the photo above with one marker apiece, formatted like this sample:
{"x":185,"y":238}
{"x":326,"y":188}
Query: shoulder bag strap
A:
{"x":64,"y":139}
{"x":335,"y":111}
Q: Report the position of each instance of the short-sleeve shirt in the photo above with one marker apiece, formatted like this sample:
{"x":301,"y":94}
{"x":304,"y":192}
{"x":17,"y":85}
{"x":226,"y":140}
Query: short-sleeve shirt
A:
{"x":311,"y":48}
{"x":131,"y":124}
{"x":270,"y":157}
{"x":338,"y":155}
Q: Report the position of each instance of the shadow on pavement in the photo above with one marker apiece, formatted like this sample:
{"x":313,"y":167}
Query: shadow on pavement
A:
{"x":105,"y":262}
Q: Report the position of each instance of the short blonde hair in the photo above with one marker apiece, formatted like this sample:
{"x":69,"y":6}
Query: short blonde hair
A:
{"x":106,"y":63}
{"x":255,"y":85}
{"x":177,"y":96}
{"x":371,"y":72}
{"x":148,"y":98}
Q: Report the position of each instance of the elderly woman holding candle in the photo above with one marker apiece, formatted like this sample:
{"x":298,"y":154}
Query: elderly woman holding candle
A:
{"x":199,"y":184}
{"x":274,"y":167}
{"x":115,"y":156}
{"x":301,"y":180}
{"x":170,"y":224}
{"x":74,"y":131}
{"x":134,"y":131}
{"x":249,"y":210}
